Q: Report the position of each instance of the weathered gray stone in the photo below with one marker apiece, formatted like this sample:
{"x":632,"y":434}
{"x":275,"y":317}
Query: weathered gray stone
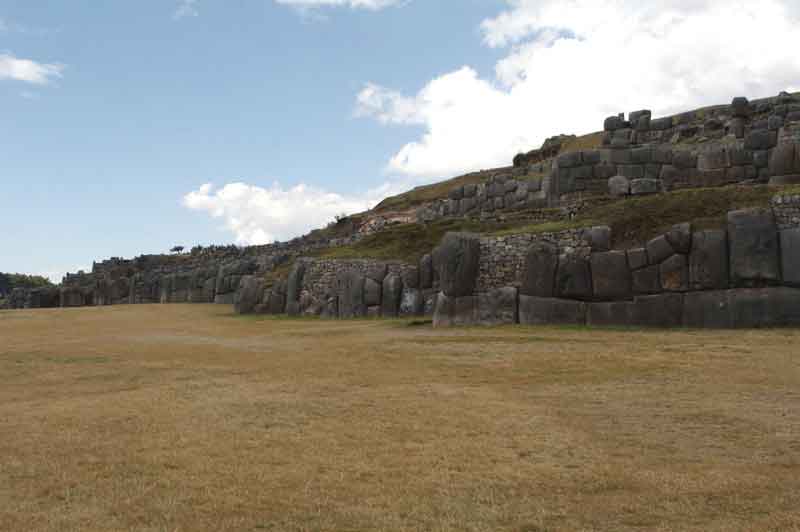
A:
{"x":456,"y":260}
{"x":614,"y":313}
{"x":604,"y":171}
{"x":498,"y":306}
{"x":684,"y":159}
{"x":647,"y":280}
{"x":549,"y":310}
{"x":426,"y":272}
{"x":573,"y":278}
{"x":539,"y":275}
{"x":377,"y":272}
{"x":790,"y":253}
{"x":674,"y":274}
{"x":372,"y":292}
{"x":350,"y":291}
{"x":570,"y":160}
{"x":392,"y":292}
{"x":611,"y":278}
{"x":663,"y":310}
{"x":598,"y":237}
{"x":644,"y":186}
{"x":680,"y":237}
{"x":410,"y":277}
{"x":455,"y":311}
{"x":330,"y":308}
{"x":661,"y":124}
{"x":740,"y":107}
{"x":613,"y":123}
{"x":251,"y":290}
{"x":708,"y":261}
{"x":785,"y":159}
{"x":707,"y":310}
{"x":659,"y":249}
{"x":764,"y":307}
{"x":470,"y":190}
{"x":713,"y":159}
{"x":637,"y":258}
{"x":754,"y":245}
{"x":412,"y":303}
{"x":456,"y":193}
{"x":631,"y":171}
{"x":294,"y":283}
{"x":619,"y":186}
{"x":761,"y":139}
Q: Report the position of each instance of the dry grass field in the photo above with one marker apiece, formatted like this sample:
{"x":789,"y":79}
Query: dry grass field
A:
{"x":186,"y":418}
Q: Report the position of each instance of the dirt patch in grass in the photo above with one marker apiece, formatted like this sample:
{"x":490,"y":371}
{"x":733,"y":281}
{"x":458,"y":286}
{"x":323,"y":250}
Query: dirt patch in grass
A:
{"x":198,"y":421}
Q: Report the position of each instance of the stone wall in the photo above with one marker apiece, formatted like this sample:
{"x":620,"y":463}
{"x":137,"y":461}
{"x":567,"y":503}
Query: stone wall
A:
{"x":746,"y":275}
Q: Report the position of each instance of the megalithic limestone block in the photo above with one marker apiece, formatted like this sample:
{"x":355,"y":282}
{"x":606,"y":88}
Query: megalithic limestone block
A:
{"x":539,"y":274}
{"x":294,"y":286}
{"x":350,"y":292}
{"x":754,"y":245}
{"x":249,"y":294}
{"x":457,"y":261}
{"x":392,"y":292}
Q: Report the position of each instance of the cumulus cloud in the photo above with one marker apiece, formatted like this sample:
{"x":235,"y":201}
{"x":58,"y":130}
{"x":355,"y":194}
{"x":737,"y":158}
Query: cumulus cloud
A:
{"x":570,"y":63}
{"x":29,"y":71}
{"x":186,"y":8}
{"x":259,"y":215}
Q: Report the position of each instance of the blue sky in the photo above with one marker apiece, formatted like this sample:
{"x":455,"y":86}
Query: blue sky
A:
{"x":129,"y":127}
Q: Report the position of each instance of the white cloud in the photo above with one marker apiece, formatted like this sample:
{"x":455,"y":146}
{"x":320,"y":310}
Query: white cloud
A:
{"x":28,"y":71}
{"x":355,"y":4}
{"x":258,"y":215}
{"x":571,"y":63}
{"x":186,"y":8}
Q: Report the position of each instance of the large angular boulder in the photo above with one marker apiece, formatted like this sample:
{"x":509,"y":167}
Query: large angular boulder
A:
{"x":294,"y":283}
{"x":539,"y":274}
{"x":764,"y":307}
{"x":754,"y":245}
{"x":426,"y":272}
{"x":708,"y":260}
{"x":790,"y":253}
{"x":680,"y":238}
{"x":372,"y":292}
{"x":663,"y":310}
{"x":350,"y":292}
{"x":647,"y":280}
{"x":457,"y":261}
{"x":611,"y":278}
{"x":707,"y":310}
{"x":410,"y":277}
{"x":412,"y":302}
{"x":598,"y":238}
{"x":550,"y":310}
{"x":276,"y":301}
{"x":573,"y":277}
{"x":784,"y":163}
{"x":455,"y":311}
{"x":674,"y":274}
{"x":498,"y":306}
{"x":658,"y":249}
{"x":249,"y":294}
{"x":619,"y":186}
{"x":392,"y":292}
{"x":605,"y":314}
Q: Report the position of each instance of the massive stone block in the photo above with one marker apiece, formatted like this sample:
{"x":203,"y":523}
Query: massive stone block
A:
{"x":598,"y":237}
{"x":456,"y":260}
{"x":350,"y":292}
{"x":680,"y":237}
{"x":764,"y":307}
{"x":276,"y":301}
{"x":790,"y":253}
{"x":659,"y":249}
{"x":426,"y":272}
{"x":708,"y":261}
{"x":573,"y":277}
{"x":498,"y":306}
{"x":754,"y":245}
{"x":372,"y":292}
{"x":614,"y":313}
{"x":377,"y":272}
{"x":412,"y":302}
{"x":647,"y":280}
{"x":549,"y":310}
{"x":392,"y":291}
{"x":249,"y":294}
{"x":539,"y":275}
{"x":707,"y":309}
{"x":785,"y":160}
{"x":294,"y":283}
{"x":674,"y":274}
{"x":637,"y":258}
{"x":611,"y":278}
{"x":663,"y":310}
{"x":455,"y":311}
{"x":619,"y":186}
